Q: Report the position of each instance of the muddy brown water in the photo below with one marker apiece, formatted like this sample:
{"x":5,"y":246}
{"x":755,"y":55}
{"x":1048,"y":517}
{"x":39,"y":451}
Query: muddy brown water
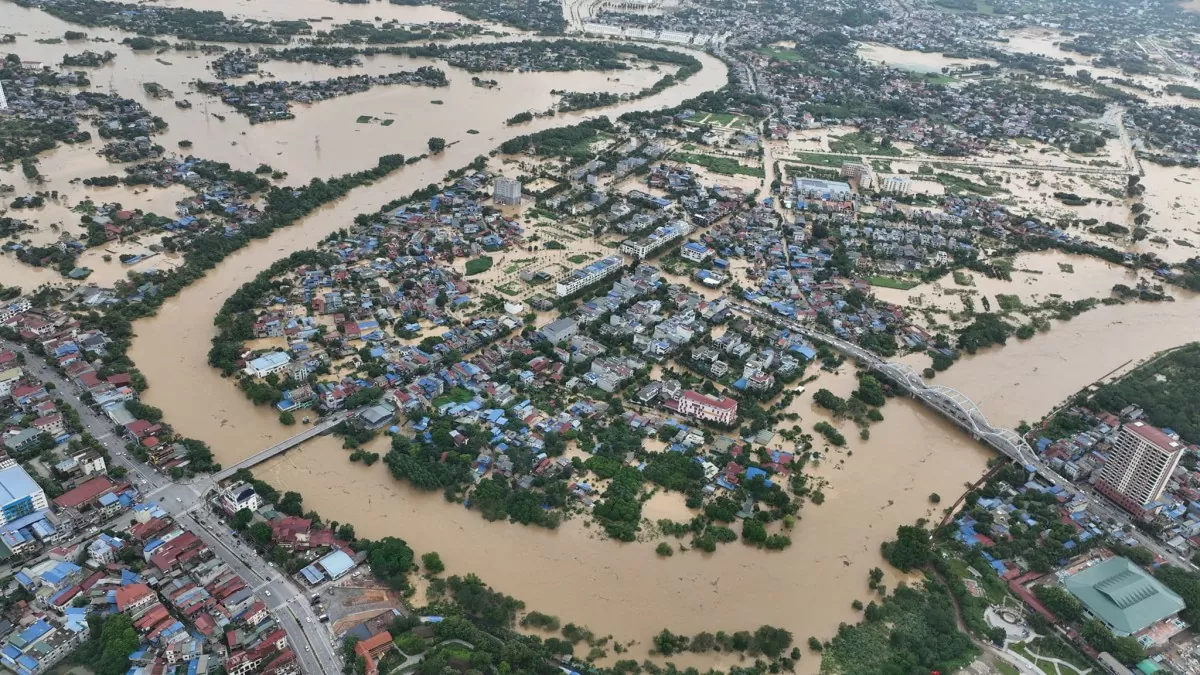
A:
{"x":618,"y":589}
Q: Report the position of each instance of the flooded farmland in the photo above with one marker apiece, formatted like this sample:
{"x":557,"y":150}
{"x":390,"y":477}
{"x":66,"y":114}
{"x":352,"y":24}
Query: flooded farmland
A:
{"x":618,"y":589}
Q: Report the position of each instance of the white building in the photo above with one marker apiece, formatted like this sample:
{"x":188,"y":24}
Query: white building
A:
{"x":267,"y":364}
{"x":18,"y":306}
{"x":859,"y":172}
{"x":695,"y":252}
{"x":506,"y":191}
{"x":8,"y":379}
{"x":660,"y":237}
{"x":710,"y":408}
{"x":1141,"y":461}
{"x":240,"y":496}
{"x":20,"y":495}
{"x":822,"y":189}
{"x":895,"y":185}
{"x":577,"y":280}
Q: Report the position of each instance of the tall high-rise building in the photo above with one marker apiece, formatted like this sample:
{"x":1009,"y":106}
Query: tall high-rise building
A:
{"x":506,"y":191}
{"x":1140,"y":463}
{"x":3,"y":99}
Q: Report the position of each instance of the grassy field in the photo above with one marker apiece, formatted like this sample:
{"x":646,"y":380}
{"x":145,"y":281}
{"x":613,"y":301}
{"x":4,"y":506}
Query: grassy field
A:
{"x":580,"y":258}
{"x":479,"y":265}
{"x":889,"y":282}
{"x":859,"y":143}
{"x":956,"y":185}
{"x":781,"y":53}
{"x":722,"y":165}
{"x":825,"y":159}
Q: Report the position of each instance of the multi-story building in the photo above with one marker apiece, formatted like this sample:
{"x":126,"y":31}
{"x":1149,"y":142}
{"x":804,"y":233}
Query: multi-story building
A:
{"x":240,"y":496}
{"x":718,"y":409}
{"x":895,"y":185}
{"x":859,"y":172}
{"x":506,"y":191}
{"x":1140,"y":462}
{"x":695,"y":252}
{"x":20,"y":495}
{"x":642,"y":247}
{"x":43,"y":644}
{"x":579,"y":279}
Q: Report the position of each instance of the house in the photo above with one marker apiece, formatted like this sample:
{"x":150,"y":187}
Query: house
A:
{"x":558,"y":331}
{"x":240,"y":496}
{"x":50,"y":424}
{"x":372,"y":649}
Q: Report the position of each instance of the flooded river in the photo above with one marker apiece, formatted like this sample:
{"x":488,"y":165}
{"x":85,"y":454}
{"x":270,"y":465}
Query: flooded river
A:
{"x":623,"y":590}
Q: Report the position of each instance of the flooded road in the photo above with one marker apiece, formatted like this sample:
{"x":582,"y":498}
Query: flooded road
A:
{"x":618,"y":589}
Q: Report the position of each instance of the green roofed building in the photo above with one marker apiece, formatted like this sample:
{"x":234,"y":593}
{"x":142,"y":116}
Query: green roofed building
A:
{"x":1123,"y":596}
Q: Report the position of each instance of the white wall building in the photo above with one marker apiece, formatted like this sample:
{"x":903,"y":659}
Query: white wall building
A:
{"x":506,"y":191}
{"x":267,"y":364}
{"x":577,"y":280}
{"x":644,"y":246}
{"x":1140,"y":462}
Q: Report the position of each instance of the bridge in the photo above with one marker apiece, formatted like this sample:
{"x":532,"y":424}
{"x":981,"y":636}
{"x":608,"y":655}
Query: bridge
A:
{"x":952,"y":404}
{"x":283,"y":446}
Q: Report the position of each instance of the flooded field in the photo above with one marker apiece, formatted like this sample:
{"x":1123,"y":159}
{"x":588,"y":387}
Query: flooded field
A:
{"x":618,"y":589}
{"x":914,"y":61}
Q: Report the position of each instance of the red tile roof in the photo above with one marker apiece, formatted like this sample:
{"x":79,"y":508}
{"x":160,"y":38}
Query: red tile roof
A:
{"x":85,"y":493}
{"x":1154,"y":435}
{"x":128,"y":595}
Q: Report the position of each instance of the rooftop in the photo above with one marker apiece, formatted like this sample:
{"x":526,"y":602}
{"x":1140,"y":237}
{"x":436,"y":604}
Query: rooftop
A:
{"x":16,"y":483}
{"x":1123,"y":595}
{"x":1152,"y":434}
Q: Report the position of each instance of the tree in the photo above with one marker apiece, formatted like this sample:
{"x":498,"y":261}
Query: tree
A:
{"x":241,"y":519}
{"x":346,"y":532}
{"x":935,"y":498}
{"x":391,"y":559}
{"x":286,"y":418}
{"x":436,"y":145}
{"x":118,"y":640}
{"x":433,"y":563}
{"x":291,"y":504}
{"x":911,"y":549}
{"x":664,"y":550}
{"x":814,"y":644}
{"x":1059,"y":601}
{"x":753,"y":531}
{"x":261,"y":533}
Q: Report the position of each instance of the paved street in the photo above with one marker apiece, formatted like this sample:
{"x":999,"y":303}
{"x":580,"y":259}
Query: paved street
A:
{"x":311,"y":639}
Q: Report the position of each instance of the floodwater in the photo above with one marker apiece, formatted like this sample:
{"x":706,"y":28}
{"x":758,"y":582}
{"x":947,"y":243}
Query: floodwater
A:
{"x":326,"y":13}
{"x":912,"y":60}
{"x":624,"y":590}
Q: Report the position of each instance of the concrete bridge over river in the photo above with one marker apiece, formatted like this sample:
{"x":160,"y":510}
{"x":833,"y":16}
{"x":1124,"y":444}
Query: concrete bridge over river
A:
{"x":283,"y":446}
{"x":952,"y":404}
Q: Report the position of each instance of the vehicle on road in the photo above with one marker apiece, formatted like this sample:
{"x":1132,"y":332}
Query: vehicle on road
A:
{"x":267,"y":593}
{"x":179,"y":500}
{"x":323,"y":618}
{"x":308,"y":619}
